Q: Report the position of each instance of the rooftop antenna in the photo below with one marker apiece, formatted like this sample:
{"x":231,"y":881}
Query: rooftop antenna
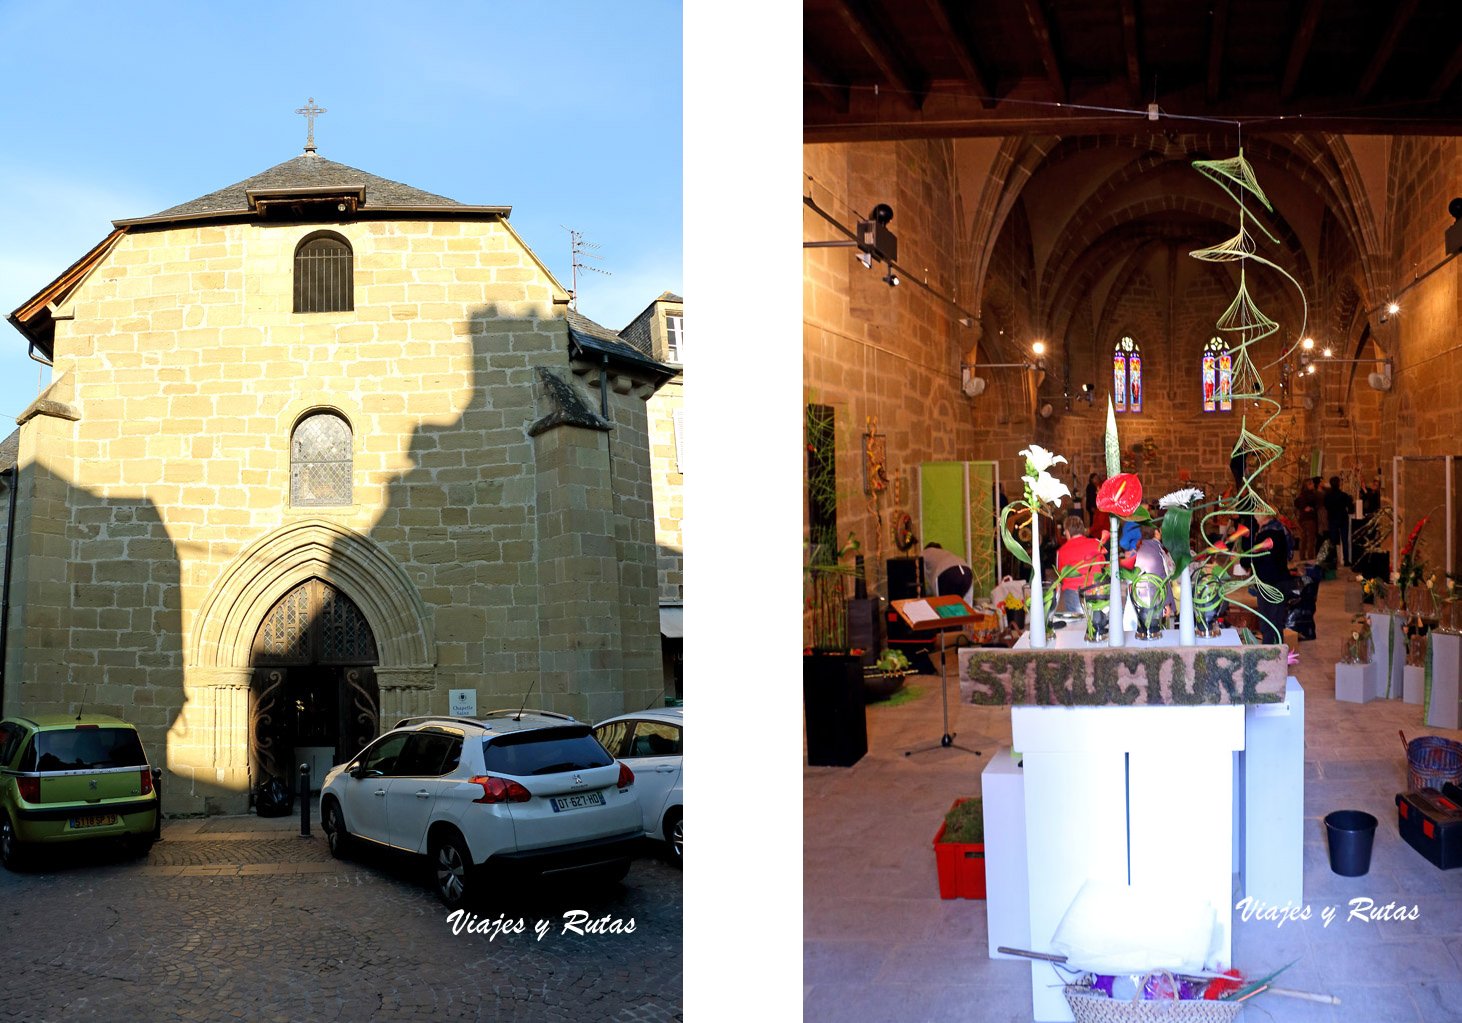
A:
{"x":579,"y":249}
{"x":519,"y":716}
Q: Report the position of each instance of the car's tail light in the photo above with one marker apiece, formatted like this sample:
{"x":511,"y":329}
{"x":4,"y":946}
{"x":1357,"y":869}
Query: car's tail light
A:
{"x":30,"y":789}
{"x":146,"y":781}
{"x":626,"y":776}
{"x":500,"y":790}
{"x":85,"y":727}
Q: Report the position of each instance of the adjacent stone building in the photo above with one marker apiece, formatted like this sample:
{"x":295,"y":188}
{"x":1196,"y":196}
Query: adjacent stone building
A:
{"x":319,"y":448}
{"x":659,"y":332}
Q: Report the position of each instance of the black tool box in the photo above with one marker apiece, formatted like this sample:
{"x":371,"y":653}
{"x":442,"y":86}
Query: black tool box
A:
{"x":1431,"y":823}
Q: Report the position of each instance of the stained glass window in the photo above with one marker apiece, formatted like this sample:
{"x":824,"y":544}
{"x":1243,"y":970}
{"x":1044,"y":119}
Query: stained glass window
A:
{"x":320,"y":461}
{"x":1217,"y":377}
{"x":1127,"y":376}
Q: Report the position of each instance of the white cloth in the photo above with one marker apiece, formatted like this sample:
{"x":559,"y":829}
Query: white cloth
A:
{"x":1113,"y":928}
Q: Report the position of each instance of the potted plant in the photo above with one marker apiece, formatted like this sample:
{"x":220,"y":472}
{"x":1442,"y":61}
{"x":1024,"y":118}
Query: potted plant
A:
{"x":885,"y":676}
{"x":959,"y":851}
{"x":1014,"y":608}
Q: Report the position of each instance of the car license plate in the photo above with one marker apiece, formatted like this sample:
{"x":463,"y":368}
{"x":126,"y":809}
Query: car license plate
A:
{"x":99,"y":820}
{"x":577,"y":802}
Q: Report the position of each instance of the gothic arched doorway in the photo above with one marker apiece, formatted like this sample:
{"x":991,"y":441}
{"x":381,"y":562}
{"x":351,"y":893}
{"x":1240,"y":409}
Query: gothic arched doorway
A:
{"x":313,"y":695}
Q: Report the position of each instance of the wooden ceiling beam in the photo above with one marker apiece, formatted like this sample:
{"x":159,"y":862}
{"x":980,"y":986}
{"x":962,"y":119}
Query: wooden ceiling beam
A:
{"x":978,"y":83}
{"x":876,"y":40}
{"x":1300,"y":47}
{"x":1404,"y":10}
{"x":815,"y":77}
{"x":1218,"y":33}
{"x":1041,"y":30}
{"x":1129,"y":43}
{"x":1448,"y":76}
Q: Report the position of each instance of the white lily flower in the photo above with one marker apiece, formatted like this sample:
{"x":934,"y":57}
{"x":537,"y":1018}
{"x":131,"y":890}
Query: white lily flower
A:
{"x":1041,"y":459}
{"x":1181,"y":498}
{"x":1047,"y":489}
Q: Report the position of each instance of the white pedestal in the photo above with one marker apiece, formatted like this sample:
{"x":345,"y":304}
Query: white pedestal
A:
{"x":1007,"y":902}
{"x":1271,"y":816}
{"x":1104,"y":792}
{"x":1446,"y":655}
{"x":1413,"y":687}
{"x":1355,"y":683}
{"x":1390,"y":654}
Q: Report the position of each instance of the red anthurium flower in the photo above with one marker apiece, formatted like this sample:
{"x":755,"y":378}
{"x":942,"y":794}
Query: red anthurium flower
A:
{"x":1120,"y":495}
{"x":1105,"y":537}
{"x":1129,"y":562}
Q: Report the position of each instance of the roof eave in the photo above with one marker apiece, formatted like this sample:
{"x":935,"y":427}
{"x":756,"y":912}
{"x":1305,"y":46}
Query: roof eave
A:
{"x":582,"y":345}
{"x":33,"y":317}
{"x":364,"y":213}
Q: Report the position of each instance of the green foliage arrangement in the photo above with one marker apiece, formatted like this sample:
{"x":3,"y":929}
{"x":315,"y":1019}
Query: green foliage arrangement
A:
{"x":965,"y":822}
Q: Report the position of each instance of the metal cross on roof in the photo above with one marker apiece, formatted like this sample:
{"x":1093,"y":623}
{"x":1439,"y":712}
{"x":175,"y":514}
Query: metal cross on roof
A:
{"x":309,"y":113}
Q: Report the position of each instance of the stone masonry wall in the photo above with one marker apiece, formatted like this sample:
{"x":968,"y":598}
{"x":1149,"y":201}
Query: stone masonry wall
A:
{"x":188,"y":368}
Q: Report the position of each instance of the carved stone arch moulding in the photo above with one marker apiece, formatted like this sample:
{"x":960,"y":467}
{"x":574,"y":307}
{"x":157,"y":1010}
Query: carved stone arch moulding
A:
{"x":223,"y":631}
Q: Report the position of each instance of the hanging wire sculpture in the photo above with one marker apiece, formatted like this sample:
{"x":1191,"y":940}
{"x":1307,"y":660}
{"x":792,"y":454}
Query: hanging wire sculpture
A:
{"x":1243,"y":324}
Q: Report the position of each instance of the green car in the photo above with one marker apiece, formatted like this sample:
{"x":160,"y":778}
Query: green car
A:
{"x":66,"y":779}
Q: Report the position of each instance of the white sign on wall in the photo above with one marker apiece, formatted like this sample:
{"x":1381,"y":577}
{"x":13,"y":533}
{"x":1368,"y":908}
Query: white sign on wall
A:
{"x":462,"y":703}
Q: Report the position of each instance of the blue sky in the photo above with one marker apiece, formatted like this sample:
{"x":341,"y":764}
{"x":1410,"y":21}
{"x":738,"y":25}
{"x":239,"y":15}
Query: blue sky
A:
{"x":570,"y":112}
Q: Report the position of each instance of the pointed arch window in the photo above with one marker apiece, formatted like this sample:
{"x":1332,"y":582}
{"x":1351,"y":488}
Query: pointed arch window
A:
{"x":1218,"y":377}
{"x":1127,"y":376}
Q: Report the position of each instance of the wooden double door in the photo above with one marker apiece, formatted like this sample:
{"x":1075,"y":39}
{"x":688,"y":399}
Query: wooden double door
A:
{"x":314,"y":684}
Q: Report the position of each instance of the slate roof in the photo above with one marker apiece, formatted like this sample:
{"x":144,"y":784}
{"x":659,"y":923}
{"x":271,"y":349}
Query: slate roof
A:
{"x":10,"y":450}
{"x":586,"y":335}
{"x":310,"y":172}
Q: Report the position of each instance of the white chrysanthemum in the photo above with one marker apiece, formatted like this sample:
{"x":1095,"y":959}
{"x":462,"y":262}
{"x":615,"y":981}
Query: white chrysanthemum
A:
{"x":1041,"y":459}
{"x":1181,"y":498}
{"x":1047,"y":489}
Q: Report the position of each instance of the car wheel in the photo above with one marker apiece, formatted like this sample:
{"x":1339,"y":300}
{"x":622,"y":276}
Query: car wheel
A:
{"x":336,"y":834}
{"x":674,"y":825}
{"x":140,"y":845}
{"x":10,"y":852}
{"x":452,"y":872}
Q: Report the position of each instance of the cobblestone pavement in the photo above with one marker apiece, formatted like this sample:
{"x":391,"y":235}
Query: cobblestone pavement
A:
{"x":239,"y":918}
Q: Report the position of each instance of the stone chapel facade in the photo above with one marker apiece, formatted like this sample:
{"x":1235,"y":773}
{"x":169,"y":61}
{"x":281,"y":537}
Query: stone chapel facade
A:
{"x":320,"y":447}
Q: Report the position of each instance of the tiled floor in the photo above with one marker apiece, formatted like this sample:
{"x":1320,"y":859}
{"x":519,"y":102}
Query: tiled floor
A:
{"x":880,"y":945}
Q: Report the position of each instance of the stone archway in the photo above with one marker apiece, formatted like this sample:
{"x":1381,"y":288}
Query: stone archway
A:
{"x":219,"y":666}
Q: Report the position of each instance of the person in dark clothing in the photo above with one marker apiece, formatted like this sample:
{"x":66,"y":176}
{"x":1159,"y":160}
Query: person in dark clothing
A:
{"x":949,"y":573}
{"x":1339,"y":507}
{"x":1370,"y":497}
{"x":1272,"y":567}
{"x":1307,"y":508}
{"x":1091,"y":493}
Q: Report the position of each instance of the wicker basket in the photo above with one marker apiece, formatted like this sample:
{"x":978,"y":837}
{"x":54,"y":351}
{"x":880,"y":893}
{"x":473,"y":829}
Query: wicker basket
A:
{"x":1090,"y":1006}
{"x":1432,"y":761}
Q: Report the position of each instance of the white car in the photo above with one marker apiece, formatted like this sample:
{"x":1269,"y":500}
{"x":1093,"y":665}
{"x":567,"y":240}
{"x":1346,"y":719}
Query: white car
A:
{"x":650,"y":742}
{"x":525,"y":788}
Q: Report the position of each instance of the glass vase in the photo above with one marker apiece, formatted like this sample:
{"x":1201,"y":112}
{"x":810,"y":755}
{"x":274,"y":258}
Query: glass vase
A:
{"x":1149,"y":596}
{"x":1095,"y":602}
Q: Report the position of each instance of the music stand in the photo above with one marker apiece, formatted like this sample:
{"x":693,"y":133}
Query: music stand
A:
{"x":938,"y":614}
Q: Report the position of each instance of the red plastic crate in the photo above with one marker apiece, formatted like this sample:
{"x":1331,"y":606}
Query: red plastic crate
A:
{"x":961,"y":867}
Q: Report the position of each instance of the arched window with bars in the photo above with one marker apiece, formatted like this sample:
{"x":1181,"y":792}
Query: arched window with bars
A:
{"x":1218,"y":377}
{"x":1127,"y":376}
{"x":324,"y":274}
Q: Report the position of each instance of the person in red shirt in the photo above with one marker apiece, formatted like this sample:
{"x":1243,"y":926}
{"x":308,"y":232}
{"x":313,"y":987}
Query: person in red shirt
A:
{"x":1079,"y":549}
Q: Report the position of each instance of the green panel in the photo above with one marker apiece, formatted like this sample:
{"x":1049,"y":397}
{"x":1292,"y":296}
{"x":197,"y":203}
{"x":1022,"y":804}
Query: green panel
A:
{"x":942,"y":517}
{"x":982,"y":527}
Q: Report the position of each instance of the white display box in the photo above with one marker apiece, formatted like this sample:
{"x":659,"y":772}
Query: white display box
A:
{"x":1007,"y":901}
{"x":1355,"y":683}
{"x":1271,"y":814}
{"x":1413,"y":683}
{"x":1446,"y":655}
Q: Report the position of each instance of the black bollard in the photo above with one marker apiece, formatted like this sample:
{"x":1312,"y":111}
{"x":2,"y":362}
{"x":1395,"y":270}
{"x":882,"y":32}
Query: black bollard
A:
{"x":304,"y":800}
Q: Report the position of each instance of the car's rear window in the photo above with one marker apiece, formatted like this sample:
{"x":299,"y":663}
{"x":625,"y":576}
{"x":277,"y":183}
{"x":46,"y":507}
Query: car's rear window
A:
{"x":544,"y":751}
{"x":83,"y":749}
